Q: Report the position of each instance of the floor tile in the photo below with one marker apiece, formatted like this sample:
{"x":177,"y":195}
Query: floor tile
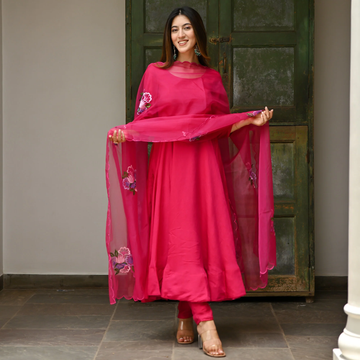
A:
{"x":66,"y":298}
{"x":34,"y":337}
{"x":46,"y":353}
{"x":317,"y":347}
{"x":15,"y":297}
{"x":313,"y":329}
{"x":247,"y":325}
{"x":145,"y":311}
{"x":336,"y":305}
{"x":236,"y":354}
{"x":149,"y":331}
{"x":253,"y":340}
{"x":331,"y":295}
{"x":126,"y":345}
{"x":58,"y":322}
{"x":311,"y":317}
{"x":95,"y":291}
{"x":126,"y":351}
{"x":236,"y":309}
{"x":7,"y":312}
{"x":66,"y":309}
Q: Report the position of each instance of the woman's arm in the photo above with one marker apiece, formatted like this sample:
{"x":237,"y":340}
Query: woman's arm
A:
{"x":258,"y":120}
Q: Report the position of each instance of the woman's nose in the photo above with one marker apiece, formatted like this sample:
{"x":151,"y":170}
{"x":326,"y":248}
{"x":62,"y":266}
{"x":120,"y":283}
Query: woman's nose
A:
{"x":181,"y":33}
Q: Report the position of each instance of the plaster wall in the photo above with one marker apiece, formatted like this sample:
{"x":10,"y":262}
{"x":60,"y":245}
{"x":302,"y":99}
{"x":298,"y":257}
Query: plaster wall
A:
{"x":331,"y":148}
{"x":64,"y":88}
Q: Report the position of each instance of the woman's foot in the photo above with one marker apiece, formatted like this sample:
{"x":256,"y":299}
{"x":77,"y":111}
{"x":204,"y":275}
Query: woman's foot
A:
{"x":185,"y":333}
{"x":210,"y":340}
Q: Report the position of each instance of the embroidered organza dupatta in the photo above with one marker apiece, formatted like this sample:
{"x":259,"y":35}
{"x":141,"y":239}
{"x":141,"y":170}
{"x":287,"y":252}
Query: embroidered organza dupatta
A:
{"x":187,"y":103}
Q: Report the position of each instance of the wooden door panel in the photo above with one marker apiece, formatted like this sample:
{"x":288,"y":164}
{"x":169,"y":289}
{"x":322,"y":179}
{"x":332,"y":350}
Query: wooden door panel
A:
{"x":262,"y":76}
{"x":157,"y":12}
{"x":263,"y":15}
{"x":263,"y":50}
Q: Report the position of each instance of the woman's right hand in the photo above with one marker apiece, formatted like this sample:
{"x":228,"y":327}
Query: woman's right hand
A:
{"x":117,"y":137}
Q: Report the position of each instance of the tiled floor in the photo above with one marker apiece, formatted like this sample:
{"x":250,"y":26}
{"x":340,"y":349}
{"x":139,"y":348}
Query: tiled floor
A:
{"x":80,"y":324}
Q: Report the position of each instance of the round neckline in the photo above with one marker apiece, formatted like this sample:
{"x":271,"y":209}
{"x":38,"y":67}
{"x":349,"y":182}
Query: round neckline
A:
{"x":188,"y":62}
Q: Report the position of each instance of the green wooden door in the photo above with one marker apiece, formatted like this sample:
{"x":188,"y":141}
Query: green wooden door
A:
{"x":263,"y":50}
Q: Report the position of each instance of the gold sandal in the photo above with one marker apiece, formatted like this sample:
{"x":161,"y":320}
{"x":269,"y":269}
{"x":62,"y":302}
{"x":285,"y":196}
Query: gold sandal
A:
{"x":213,"y":337}
{"x":187,"y":330}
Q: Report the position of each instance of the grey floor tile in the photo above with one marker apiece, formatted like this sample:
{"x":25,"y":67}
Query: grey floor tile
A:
{"x":15,"y":297}
{"x":147,"y":331}
{"x":312,"y":342}
{"x":58,"y":322}
{"x":331,"y":295}
{"x":335,"y":305}
{"x":247,"y":325}
{"x":318,"y":347}
{"x":311,"y":317}
{"x":46,"y":353}
{"x":313,"y":329}
{"x":240,"y":310}
{"x":66,"y":298}
{"x":95,"y":291}
{"x":145,"y":311}
{"x":34,"y":337}
{"x":253,"y":340}
{"x":125,"y":345}
{"x":133,"y":351}
{"x":236,"y":354}
{"x":7,"y":312}
{"x":66,"y":309}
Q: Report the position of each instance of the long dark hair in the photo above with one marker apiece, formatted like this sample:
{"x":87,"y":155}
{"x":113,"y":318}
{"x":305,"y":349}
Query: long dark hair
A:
{"x":200,"y":33}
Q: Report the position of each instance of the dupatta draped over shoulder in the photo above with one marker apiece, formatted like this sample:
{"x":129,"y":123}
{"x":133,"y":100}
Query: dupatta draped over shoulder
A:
{"x":187,"y":103}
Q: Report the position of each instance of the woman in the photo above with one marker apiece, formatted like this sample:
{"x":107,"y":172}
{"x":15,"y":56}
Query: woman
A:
{"x":198,"y":214}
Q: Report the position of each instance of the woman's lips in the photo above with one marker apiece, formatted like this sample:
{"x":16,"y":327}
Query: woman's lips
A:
{"x":182,"y":43}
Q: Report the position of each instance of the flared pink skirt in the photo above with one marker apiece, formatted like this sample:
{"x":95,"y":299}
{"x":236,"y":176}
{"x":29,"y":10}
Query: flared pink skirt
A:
{"x":191,"y":250}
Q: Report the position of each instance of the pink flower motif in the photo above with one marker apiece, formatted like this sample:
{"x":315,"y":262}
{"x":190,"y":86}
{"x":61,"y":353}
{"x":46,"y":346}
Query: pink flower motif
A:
{"x":144,"y":102}
{"x":129,"y":180}
{"x":125,"y":269}
{"x":124,"y":251}
{"x":146,"y":97}
{"x":120,"y":258}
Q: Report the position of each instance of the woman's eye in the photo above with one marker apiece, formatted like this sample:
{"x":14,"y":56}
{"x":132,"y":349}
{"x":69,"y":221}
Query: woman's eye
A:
{"x":188,"y":28}
{"x":174,"y":30}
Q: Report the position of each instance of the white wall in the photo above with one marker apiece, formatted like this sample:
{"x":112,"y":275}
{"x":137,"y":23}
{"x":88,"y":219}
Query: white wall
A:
{"x":332,"y":72}
{"x":1,"y":149}
{"x":64,"y":88}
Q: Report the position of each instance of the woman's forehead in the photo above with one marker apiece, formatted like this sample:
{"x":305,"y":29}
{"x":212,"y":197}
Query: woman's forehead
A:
{"x":180,"y":20}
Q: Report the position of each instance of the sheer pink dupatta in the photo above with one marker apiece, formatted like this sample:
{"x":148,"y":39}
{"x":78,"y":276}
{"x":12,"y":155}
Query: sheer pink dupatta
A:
{"x":247,"y":164}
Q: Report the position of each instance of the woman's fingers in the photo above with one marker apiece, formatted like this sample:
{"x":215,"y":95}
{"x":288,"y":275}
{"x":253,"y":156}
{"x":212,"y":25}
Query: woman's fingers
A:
{"x":117,"y":137}
{"x":113,"y":137}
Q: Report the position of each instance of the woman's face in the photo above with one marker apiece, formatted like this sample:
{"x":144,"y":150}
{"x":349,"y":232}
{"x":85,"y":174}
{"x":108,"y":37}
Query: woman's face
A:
{"x":182,"y":34}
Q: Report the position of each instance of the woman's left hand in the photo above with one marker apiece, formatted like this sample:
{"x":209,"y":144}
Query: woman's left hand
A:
{"x":262,"y":118}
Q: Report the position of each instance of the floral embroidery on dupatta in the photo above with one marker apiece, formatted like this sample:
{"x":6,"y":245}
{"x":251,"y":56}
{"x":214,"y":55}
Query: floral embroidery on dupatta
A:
{"x":195,"y":138}
{"x":254,"y":113}
{"x":122,"y":261}
{"x":253,"y":178}
{"x":129,"y":179}
{"x":145,"y":101}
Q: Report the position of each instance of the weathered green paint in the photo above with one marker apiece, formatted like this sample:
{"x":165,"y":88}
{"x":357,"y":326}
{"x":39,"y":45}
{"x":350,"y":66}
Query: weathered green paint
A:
{"x":263,"y":76}
{"x":289,"y":146}
{"x":264,"y":52}
{"x":263,"y":15}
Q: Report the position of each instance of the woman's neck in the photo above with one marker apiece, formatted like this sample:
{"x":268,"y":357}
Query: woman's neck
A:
{"x":188,"y":56}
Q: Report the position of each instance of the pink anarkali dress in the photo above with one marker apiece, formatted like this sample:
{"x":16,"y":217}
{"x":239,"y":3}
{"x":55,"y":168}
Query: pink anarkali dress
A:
{"x":194,"y":221}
